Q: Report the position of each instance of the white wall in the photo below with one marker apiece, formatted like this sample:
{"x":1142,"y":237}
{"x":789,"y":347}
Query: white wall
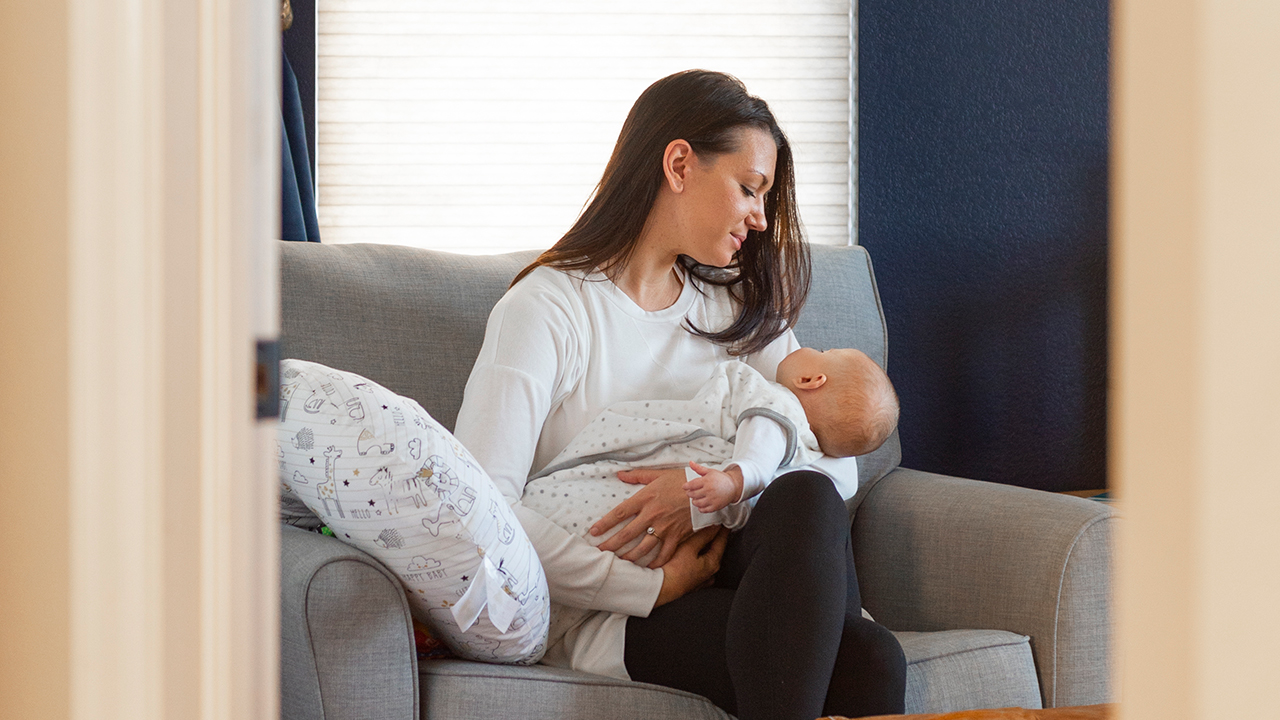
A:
{"x":138,"y":177}
{"x":1196,"y":356}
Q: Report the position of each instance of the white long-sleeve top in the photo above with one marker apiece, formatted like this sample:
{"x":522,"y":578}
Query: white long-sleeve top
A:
{"x":558,"y":350}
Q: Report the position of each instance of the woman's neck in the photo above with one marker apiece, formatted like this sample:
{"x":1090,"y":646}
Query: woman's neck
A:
{"x":649,"y":278}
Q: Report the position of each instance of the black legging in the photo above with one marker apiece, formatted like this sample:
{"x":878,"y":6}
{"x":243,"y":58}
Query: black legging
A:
{"x":781,"y":634}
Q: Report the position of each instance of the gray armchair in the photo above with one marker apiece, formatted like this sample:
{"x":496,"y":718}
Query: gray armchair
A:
{"x":999,"y":595}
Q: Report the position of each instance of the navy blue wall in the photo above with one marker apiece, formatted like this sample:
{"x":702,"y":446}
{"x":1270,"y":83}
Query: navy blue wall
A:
{"x":983,"y":202}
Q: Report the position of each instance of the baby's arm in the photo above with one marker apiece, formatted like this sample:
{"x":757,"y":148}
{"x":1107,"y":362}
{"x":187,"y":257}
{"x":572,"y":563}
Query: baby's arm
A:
{"x":759,"y":449}
{"x":714,"y":489}
{"x":760,"y":446}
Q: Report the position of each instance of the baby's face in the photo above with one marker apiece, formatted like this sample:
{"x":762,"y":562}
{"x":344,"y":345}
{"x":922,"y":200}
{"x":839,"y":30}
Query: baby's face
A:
{"x":809,"y":363}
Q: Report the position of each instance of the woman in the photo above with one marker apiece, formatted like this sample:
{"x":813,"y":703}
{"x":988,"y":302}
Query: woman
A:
{"x":690,"y":252}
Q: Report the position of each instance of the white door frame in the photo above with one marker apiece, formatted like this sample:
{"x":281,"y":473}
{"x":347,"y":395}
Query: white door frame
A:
{"x":174,"y":156}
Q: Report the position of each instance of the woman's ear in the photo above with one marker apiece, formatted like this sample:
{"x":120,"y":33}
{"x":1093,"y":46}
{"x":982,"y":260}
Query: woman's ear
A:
{"x":675,"y":164}
{"x":811,"y":382}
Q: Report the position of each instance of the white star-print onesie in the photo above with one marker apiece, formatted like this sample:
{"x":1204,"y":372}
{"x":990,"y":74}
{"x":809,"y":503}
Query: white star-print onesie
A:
{"x":580,"y":485}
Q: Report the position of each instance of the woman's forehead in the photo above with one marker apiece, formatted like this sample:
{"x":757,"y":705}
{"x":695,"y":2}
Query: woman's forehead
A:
{"x":756,"y":153}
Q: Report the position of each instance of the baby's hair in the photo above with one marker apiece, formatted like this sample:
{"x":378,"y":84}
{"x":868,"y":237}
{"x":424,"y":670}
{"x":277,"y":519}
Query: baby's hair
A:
{"x":864,"y":408}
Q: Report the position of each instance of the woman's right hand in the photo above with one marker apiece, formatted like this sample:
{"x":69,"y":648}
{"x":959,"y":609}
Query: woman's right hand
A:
{"x":661,"y":505}
{"x":695,"y":563}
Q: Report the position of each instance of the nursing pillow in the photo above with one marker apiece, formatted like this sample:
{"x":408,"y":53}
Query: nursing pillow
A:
{"x":385,"y":477}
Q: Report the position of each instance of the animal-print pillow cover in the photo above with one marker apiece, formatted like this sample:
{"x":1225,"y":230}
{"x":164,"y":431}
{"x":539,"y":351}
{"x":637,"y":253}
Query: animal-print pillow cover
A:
{"x":390,"y":480}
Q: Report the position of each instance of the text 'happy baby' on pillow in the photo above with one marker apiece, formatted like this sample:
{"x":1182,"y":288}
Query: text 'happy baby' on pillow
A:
{"x":390,"y":480}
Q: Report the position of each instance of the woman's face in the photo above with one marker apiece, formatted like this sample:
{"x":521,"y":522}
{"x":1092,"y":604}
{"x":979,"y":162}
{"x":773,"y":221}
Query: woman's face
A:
{"x":724,"y":198}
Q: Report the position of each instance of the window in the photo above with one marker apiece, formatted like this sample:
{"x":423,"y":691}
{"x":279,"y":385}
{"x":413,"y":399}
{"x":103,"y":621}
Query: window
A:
{"x":483,"y":126}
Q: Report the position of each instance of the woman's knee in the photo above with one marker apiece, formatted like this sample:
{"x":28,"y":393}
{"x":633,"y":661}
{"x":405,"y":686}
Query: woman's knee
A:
{"x":877,"y":649}
{"x":801,"y":517}
{"x":870,"y":676}
{"x":804,"y":494}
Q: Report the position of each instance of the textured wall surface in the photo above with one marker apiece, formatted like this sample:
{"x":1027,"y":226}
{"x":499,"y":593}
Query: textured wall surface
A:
{"x":983,"y":202}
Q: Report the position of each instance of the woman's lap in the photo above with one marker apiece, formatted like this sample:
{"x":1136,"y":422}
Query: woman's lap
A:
{"x":783,"y":613}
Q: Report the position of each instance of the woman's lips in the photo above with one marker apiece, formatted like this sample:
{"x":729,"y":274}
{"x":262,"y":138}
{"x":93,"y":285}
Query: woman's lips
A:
{"x":738,"y":240}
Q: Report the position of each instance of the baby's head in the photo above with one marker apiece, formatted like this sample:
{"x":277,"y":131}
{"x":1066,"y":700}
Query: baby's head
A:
{"x":848,"y":399}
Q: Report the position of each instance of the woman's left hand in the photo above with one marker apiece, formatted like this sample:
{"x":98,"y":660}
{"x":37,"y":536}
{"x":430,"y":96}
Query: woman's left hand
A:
{"x":662,"y":505}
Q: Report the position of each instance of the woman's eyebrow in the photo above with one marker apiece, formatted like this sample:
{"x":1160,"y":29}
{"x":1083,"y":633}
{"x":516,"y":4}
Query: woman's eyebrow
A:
{"x":764,"y":179}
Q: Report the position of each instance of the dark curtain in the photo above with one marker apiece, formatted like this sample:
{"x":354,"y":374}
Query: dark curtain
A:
{"x":297,"y":194}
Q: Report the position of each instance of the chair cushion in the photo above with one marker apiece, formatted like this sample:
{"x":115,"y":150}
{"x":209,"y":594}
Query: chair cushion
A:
{"x":968,"y":669}
{"x":388,"y":479}
{"x":460,"y":690}
{"x":946,"y":671}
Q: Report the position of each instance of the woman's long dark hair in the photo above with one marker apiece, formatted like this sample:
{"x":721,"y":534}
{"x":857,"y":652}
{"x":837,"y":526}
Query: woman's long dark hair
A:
{"x":769,"y":276}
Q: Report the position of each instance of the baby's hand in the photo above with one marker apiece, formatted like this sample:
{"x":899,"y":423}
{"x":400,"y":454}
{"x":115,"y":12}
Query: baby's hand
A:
{"x":713,"y":490}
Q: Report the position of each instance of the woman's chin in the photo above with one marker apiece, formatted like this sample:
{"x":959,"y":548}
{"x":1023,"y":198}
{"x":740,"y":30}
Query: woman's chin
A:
{"x":720,"y":260}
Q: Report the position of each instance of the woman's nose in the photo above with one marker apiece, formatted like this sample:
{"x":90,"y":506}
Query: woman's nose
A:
{"x":756,"y":220}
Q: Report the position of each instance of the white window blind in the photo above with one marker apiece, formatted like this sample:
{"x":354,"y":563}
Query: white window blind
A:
{"x":483,"y":126}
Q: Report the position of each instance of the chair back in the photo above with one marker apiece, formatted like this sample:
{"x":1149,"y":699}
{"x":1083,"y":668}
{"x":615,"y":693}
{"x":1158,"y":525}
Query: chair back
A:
{"x":413,"y":320}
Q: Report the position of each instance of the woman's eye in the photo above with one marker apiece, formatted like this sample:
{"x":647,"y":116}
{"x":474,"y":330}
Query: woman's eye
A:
{"x":747,"y":191}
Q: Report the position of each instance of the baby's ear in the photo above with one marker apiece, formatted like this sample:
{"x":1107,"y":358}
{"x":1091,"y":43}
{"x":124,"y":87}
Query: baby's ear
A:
{"x":811,"y":382}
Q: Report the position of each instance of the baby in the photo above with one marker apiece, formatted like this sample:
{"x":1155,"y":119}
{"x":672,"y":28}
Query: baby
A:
{"x":848,"y":401}
{"x":732,"y":437}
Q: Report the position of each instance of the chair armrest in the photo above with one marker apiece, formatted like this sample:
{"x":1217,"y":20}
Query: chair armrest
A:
{"x":346,"y":638}
{"x":941,"y":553}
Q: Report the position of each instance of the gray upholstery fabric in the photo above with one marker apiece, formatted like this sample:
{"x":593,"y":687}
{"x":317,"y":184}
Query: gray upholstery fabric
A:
{"x":937,"y":553}
{"x":968,"y":670}
{"x":955,"y":670}
{"x":460,"y":690}
{"x":844,"y":311}
{"x":409,"y":319}
{"x":1083,"y":664}
{"x":844,"y":306}
{"x":346,"y":639}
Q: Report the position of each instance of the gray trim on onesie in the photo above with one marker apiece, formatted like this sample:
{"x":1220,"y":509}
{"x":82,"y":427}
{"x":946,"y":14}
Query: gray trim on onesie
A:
{"x":622,"y":456}
{"x":793,"y":435}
